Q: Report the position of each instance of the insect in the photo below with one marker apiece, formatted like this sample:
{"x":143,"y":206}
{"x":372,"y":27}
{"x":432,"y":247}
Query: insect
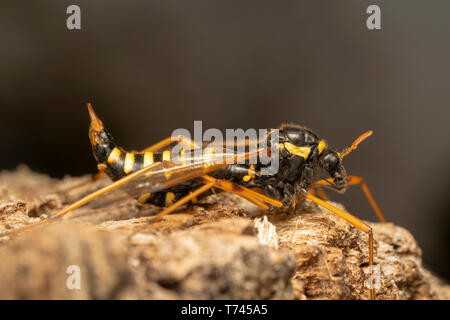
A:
{"x":156,"y":176}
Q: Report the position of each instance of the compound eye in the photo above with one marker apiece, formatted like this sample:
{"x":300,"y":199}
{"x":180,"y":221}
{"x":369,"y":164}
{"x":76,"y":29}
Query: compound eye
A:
{"x":331,"y":161}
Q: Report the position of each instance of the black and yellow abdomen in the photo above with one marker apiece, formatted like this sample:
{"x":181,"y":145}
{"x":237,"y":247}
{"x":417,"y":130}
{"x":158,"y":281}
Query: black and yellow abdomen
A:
{"x":117,"y":163}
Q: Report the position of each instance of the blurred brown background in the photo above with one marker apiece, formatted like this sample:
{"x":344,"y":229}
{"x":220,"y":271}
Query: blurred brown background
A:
{"x":153,"y":66}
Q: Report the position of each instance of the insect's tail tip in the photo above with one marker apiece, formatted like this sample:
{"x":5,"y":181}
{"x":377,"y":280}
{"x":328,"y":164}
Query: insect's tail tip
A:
{"x":96,"y":123}
{"x":90,"y":108}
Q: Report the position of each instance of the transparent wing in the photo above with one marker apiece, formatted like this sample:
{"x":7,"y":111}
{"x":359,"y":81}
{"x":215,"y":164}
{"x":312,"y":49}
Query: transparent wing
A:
{"x":161,"y":175}
{"x":181,"y":168}
{"x":155,"y":177}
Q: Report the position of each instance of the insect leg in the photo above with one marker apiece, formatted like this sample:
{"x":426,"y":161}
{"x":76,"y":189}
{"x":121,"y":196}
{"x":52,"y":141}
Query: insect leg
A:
{"x":85,"y":200}
{"x":210,"y":182}
{"x":183,"y":200}
{"x":187,"y":143}
{"x":353,"y":180}
{"x":316,"y":190}
{"x":353,"y":221}
{"x":240,"y":190}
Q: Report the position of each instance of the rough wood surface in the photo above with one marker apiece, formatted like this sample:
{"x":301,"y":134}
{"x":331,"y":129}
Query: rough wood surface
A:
{"x":222,"y":248}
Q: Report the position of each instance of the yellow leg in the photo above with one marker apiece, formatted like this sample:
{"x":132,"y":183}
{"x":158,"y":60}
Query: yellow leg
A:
{"x":353,"y":221}
{"x":251,"y":195}
{"x":319,"y":192}
{"x":240,"y":190}
{"x":353,"y":180}
{"x":182,"y":201}
{"x":85,"y":200}
{"x":188,"y":143}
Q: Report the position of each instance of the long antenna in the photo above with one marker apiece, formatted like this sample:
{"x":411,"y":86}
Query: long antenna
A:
{"x":356,"y":142}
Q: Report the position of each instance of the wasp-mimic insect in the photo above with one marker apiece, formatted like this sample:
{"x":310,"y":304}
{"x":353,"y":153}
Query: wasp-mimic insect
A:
{"x":306,"y":163}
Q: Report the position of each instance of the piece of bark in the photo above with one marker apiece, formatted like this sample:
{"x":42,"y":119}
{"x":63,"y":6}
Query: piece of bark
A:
{"x":332,"y":259}
{"x":215,"y":250}
{"x":217,"y":260}
{"x":35,"y":265}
